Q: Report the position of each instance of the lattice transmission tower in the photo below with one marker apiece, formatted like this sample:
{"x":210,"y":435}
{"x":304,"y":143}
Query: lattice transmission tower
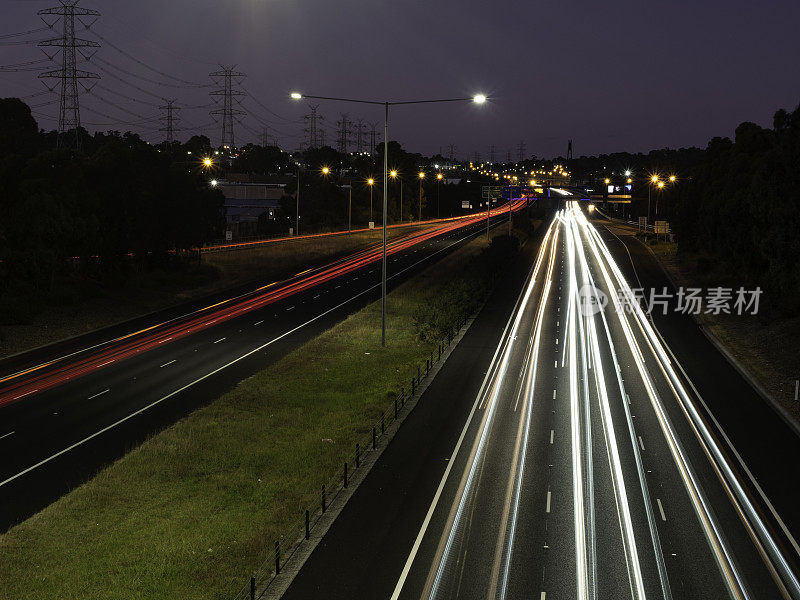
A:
{"x":69,"y":46}
{"x":169,"y":119}
{"x":313,"y":129}
{"x":230,"y":97}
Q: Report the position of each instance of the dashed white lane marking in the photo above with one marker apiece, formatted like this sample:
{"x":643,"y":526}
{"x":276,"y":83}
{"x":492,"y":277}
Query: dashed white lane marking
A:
{"x":552,"y":433}
{"x":162,"y":341}
{"x":7,"y":434}
{"x":556,"y":341}
{"x":317,"y":296}
{"x":220,"y":340}
{"x":629,"y":398}
{"x":661,"y":509}
{"x":26,"y":394}
{"x":337,"y":287}
{"x":172,"y":362}
{"x":543,"y":596}
{"x":108,"y":362}
{"x":257,"y":324}
{"x":548,"y":501}
{"x":290,"y":308}
{"x":554,"y":394}
{"x":641,"y":443}
{"x":556,"y":366}
{"x":98,"y":395}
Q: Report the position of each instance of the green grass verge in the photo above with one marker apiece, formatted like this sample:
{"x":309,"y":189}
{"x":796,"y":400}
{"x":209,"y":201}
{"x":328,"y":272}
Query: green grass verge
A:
{"x":192,"y":511}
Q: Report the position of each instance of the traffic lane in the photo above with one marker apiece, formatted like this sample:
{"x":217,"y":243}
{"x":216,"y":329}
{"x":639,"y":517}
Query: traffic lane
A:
{"x":50,"y":375}
{"x":690,"y":565}
{"x":461,"y":549}
{"x":746,"y":419}
{"x":26,"y":495}
{"x":36,"y":356}
{"x":364,"y":552}
{"x":182,"y":361}
{"x":689,"y":558}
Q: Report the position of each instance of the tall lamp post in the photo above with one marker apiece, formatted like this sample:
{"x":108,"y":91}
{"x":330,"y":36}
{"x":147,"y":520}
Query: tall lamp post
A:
{"x":297,"y":206}
{"x":370,"y":183}
{"x":421,"y":177}
{"x":477,"y":99}
{"x":653,"y":181}
{"x":438,"y":195}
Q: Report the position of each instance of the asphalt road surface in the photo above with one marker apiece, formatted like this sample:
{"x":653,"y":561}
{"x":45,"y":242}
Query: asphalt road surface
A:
{"x":65,"y":415}
{"x":562,"y":453}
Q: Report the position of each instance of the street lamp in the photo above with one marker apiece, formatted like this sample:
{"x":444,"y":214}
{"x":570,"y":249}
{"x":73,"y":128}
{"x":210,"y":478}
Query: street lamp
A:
{"x":653,"y":180}
{"x":370,"y":183}
{"x":421,"y":177}
{"x":477,"y":99}
{"x":393,"y":175}
{"x":438,"y":195}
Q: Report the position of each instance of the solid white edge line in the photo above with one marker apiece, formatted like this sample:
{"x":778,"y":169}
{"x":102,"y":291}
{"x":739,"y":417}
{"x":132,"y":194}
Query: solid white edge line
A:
{"x":7,"y":434}
{"x":98,"y":395}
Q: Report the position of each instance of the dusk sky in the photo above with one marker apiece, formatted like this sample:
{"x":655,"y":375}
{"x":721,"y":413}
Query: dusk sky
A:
{"x":613,"y":76}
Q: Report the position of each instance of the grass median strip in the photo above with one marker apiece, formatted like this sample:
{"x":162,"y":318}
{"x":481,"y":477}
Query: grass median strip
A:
{"x":192,"y":511}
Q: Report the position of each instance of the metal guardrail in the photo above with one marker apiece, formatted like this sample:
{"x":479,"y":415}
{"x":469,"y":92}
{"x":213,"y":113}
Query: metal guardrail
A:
{"x":266,"y":573}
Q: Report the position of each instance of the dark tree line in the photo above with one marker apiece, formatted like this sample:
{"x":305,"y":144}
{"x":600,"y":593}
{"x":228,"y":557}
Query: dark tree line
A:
{"x":120,"y":204}
{"x":741,"y":208}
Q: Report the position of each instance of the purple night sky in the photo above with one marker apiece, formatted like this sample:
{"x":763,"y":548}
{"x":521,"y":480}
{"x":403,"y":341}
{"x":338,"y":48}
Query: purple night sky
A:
{"x":615,"y":75}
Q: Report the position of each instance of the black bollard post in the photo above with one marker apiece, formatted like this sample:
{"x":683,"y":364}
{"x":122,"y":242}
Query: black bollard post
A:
{"x":252,"y":588}
{"x":308,"y":529}
{"x":277,"y":558}
{"x":373,"y":439}
{"x":402,"y":397}
{"x":358,"y":457}
{"x":383,"y":426}
{"x":345,"y":474}
{"x":395,"y":408}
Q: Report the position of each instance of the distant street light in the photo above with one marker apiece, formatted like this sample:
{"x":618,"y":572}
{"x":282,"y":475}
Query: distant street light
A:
{"x":438,"y":196}
{"x":370,"y":183}
{"x":477,"y":99}
{"x":421,"y":177}
{"x":207,"y":162}
{"x":325,"y":170}
{"x":653,"y":179}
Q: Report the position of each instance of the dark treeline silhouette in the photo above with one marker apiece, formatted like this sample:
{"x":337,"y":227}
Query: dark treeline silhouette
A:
{"x":740,"y":211}
{"x":119,"y":205}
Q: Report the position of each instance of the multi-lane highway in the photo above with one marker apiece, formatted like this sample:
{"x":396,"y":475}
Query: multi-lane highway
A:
{"x":584,"y":467}
{"x":65,"y":415}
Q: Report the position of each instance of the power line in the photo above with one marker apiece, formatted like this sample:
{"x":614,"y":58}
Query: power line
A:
{"x":10,"y":35}
{"x":146,"y":66}
{"x":148,"y":79}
